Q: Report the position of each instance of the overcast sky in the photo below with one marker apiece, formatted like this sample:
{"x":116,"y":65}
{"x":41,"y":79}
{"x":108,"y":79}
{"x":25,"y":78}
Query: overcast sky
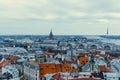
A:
{"x":81,"y":17}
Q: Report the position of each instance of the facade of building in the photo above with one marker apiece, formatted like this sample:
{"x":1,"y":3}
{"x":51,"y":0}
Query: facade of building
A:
{"x":12,"y":71}
{"x":31,"y":71}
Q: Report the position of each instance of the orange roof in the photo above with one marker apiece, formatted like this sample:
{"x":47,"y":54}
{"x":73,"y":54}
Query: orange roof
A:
{"x":3,"y":62}
{"x":14,"y":58}
{"x":103,"y":68}
{"x":22,"y":78}
{"x":56,"y":76}
{"x":55,"y":68}
{"x":47,"y":53}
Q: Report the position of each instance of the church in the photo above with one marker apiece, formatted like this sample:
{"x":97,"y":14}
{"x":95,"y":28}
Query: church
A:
{"x":50,"y":42}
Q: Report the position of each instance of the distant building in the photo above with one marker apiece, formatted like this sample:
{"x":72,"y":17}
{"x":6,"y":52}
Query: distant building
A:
{"x":50,"y":42}
{"x":51,"y":37}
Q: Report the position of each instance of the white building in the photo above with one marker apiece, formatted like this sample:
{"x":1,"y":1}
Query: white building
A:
{"x":31,"y":71}
{"x":12,"y":70}
{"x":111,"y":76}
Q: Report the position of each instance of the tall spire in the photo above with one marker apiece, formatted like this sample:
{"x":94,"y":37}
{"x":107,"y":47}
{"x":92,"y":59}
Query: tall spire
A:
{"x":51,"y":37}
{"x":107,"y":33}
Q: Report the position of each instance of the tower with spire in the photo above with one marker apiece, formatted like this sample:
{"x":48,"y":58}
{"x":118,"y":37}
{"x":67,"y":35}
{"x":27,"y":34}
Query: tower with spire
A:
{"x":107,"y":33}
{"x":51,"y":37}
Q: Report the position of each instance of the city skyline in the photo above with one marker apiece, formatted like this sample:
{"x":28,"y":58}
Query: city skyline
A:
{"x":78,"y":17}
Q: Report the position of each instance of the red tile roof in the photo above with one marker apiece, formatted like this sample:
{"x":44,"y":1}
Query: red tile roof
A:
{"x":22,"y":78}
{"x":3,"y":62}
{"x":14,"y":59}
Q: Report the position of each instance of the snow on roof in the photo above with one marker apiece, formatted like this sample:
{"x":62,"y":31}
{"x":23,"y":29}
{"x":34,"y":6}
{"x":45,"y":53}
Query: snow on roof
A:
{"x":93,"y":37}
{"x":4,"y":53}
{"x":50,"y":59}
{"x":15,"y":50}
{"x":102,"y":52}
{"x":74,"y":65}
{"x":77,"y":73}
{"x":110,"y":74}
{"x":74,"y":74}
{"x":114,"y":41}
{"x":68,"y":58}
{"x":65,"y":73}
{"x":58,"y":56}
{"x":15,"y":79}
{"x":26,"y":40}
{"x":21,"y":60}
{"x":48,"y":76}
{"x":86,"y":73}
{"x":100,"y":61}
{"x":50,"y":41}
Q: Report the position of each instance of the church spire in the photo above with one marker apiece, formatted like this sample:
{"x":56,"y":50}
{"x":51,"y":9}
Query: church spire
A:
{"x":51,"y":37}
{"x":107,"y":33}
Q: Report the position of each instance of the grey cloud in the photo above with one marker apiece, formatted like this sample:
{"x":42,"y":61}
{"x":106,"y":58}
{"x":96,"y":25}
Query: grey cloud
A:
{"x":59,"y":13}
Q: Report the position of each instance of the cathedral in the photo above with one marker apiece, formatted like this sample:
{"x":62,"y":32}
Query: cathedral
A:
{"x":51,"y":37}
